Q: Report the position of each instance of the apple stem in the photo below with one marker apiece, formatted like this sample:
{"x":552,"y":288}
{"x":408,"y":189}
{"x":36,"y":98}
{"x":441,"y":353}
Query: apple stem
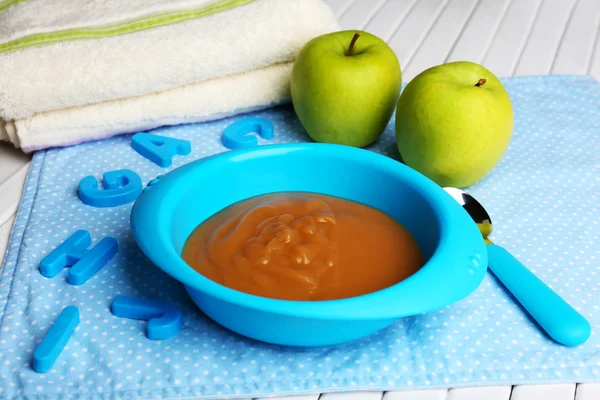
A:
{"x":351,"y":48}
{"x":481,"y":82}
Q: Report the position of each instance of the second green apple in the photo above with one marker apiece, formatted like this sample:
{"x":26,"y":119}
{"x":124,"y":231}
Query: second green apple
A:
{"x":345,"y":86}
{"x":454,"y":122}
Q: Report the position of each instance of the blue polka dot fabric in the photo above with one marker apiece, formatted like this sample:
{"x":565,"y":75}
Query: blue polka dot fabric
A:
{"x":543,"y":198}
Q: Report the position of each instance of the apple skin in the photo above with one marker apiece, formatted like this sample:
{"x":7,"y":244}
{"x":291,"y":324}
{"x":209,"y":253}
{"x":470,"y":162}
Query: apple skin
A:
{"x":345,"y":99}
{"x":451,"y":130}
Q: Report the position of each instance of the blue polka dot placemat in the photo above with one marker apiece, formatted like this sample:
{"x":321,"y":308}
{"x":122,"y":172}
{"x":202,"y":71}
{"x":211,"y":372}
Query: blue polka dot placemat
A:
{"x":543,"y":197}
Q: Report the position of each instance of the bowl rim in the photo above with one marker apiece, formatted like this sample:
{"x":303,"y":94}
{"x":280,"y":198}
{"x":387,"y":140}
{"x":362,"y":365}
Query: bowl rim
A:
{"x":425,"y":290}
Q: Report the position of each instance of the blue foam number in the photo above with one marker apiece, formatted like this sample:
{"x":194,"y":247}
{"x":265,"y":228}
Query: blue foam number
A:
{"x":236,"y":135}
{"x":164,"y":319}
{"x":160,"y":149}
{"x":56,"y":339}
{"x":73,"y":252}
{"x":120,"y":187}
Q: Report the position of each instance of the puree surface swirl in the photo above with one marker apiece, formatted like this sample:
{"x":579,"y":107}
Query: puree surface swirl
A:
{"x":303,"y":246}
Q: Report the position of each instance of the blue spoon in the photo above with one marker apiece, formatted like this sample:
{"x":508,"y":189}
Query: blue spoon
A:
{"x":553,"y":314}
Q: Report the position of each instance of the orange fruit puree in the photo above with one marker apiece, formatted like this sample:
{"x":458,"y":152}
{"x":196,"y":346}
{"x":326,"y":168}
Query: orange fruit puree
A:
{"x":303,"y":246}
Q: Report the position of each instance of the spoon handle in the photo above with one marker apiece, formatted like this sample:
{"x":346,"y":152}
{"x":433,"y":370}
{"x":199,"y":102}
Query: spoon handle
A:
{"x":561,"y":321}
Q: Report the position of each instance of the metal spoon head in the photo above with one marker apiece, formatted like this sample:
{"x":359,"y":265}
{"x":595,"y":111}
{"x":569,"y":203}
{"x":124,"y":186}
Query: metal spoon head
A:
{"x":475,"y":210}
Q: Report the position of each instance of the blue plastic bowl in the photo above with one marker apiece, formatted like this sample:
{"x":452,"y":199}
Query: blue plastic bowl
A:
{"x":172,"y":206}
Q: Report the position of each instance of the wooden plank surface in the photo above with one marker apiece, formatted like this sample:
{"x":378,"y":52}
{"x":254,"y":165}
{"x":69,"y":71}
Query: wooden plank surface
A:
{"x":441,"y":37}
{"x":510,"y":37}
{"x":388,"y":18}
{"x":414,"y":29}
{"x":360,"y":13}
{"x":545,"y":37}
{"x":507,"y":45}
{"x":594,"y":68}
{"x":11,"y":160}
{"x":575,"y":51}
{"x":436,"y":394}
{"x":302,"y":397}
{"x":479,"y":31}
{"x":543,"y":392}
{"x":480,"y":393}
{"x":360,"y":395}
{"x":10,"y":193}
{"x":588,"y":391}
{"x":4,"y":235}
{"x":339,"y":6}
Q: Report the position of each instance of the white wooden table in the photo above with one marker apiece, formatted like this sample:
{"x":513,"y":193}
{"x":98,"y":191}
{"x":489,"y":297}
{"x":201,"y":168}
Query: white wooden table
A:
{"x":509,"y":37}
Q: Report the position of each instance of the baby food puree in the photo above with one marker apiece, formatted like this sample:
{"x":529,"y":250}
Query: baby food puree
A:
{"x":303,"y":246}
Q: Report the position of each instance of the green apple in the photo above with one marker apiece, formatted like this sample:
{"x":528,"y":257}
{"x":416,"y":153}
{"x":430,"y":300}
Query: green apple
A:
{"x":345,"y":86}
{"x":453,"y":123}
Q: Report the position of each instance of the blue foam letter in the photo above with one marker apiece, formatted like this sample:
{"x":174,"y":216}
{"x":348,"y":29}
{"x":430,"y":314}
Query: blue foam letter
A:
{"x":120,"y":187}
{"x":159,"y":149}
{"x":73,"y":252}
{"x":236,"y":135}
{"x":164,"y":319}
{"x":56,"y":339}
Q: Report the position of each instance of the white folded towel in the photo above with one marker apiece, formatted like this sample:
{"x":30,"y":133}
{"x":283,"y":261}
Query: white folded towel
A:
{"x":197,"y":102}
{"x":66,"y":77}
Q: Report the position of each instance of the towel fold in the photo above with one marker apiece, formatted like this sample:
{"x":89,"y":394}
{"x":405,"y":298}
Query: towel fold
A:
{"x":88,"y":69}
{"x":197,"y":102}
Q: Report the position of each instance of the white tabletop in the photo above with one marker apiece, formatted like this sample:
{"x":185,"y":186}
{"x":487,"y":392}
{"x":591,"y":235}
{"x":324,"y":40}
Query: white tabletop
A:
{"x":509,"y":37}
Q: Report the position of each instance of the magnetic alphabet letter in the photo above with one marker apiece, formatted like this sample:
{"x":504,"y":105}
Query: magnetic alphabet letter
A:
{"x":74,"y":252}
{"x":160,"y":149}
